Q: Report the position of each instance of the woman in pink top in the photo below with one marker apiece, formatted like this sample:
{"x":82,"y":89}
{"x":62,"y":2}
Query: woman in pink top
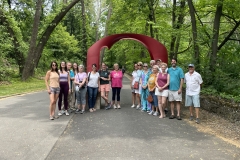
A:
{"x":162,"y":82}
{"x":116,"y":82}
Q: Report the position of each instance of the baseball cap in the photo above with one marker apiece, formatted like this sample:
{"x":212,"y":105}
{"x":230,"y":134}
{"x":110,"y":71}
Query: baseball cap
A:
{"x":191,"y":65}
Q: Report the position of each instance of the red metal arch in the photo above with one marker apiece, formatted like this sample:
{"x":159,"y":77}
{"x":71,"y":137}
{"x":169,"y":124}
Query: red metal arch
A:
{"x":155,"y":48}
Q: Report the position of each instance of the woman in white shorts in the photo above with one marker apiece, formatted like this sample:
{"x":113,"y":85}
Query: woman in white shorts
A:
{"x":134,"y":91}
{"x":161,"y":91}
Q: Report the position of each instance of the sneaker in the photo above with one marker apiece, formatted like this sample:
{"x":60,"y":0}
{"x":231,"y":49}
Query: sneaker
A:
{"x":191,"y":118}
{"x":77,"y":111}
{"x":151,"y":113}
{"x":156,"y":114}
{"x":138,"y":107}
{"x":133,"y":106}
{"x":82,"y":112}
{"x":59,"y":113}
{"x":197,"y":120}
{"x":148,"y":111}
{"x":51,"y":118}
{"x":119,"y":107}
{"x":55,"y":117}
{"x":108,"y":107}
{"x":114,"y":106}
{"x":66,"y":113}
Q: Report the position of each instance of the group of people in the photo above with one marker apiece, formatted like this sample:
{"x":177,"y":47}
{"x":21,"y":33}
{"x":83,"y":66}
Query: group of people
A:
{"x":153,"y":87}
{"x":69,"y":84}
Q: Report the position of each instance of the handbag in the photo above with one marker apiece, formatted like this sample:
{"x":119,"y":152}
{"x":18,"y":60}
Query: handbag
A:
{"x":136,"y":84}
{"x":84,"y":85}
{"x":150,"y":98}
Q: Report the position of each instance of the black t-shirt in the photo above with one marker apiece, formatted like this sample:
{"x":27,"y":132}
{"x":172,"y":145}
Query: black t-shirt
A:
{"x":104,"y":74}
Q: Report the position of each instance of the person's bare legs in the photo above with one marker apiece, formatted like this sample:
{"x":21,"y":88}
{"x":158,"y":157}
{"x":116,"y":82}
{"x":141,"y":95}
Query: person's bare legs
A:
{"x":164,"y":102}
{"x":191,"y":110}
{"x":178,"y":108}
{"x":197,"y":112}
{"x":172,"y":108}
{"x":160,"y":106}
{"x":103,"y":95}
{"x":133,"y":98}
{"x":138,"y":99}
{"x":51,"y":96}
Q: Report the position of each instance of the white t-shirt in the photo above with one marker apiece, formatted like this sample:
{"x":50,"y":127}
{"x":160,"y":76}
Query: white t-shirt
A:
{"x":93,"y":80}
{"x":193,"y":83}
{"x":160,"y":70}
{"x":136,"y":76}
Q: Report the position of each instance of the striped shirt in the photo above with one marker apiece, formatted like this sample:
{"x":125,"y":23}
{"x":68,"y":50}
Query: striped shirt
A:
{"x":63,"y":77}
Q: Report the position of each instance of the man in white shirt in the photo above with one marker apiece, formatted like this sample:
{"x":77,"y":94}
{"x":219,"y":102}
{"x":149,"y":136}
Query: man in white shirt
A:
{"x":193,"y":82}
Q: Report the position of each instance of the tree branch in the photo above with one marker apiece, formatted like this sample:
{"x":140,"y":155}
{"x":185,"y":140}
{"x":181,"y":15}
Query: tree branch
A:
{"x":233,"y":39}
{"x":44,"y":38}
{"x":189,"y":46}
{"x":229,"y":35}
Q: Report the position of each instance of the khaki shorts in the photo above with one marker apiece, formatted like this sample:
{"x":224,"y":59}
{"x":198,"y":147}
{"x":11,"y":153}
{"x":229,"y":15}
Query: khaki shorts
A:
{"x":164,"y":93}
{"x":174,"y":96}
{"x":105,"y":87}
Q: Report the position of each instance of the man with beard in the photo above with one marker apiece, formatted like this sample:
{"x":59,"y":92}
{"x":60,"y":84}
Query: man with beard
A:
{"x":175,"y":88}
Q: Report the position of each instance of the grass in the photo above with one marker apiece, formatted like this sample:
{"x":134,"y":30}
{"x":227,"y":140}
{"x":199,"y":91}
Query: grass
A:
{"x":16,"y":86}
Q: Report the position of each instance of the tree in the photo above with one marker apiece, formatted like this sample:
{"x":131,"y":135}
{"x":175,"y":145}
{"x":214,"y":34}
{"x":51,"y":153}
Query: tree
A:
{"x":34,"y":56}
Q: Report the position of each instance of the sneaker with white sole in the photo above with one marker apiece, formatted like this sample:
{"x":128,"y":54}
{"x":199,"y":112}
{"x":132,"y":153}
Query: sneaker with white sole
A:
{"x":114,"y":106}
{"x":82,"y":112}
{"x":151,"y":113}
{"x":59,"y":113}
{"x":138,"y":107}
{"x":66,"y":113}
{"x":119,"y":107}
{"x":156,"y":114}
{"x":133,"y":106}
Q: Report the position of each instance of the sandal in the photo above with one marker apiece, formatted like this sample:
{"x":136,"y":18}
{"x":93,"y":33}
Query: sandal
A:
{"x":179,"y":118}
{"x":172,"y":117}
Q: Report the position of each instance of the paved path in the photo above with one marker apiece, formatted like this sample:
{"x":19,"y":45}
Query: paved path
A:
{"x":128,"y":134}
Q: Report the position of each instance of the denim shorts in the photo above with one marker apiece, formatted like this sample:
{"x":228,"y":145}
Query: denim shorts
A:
{"x":193,"y":101}
{"x":55,"y":90}
{"x":155,"y":99}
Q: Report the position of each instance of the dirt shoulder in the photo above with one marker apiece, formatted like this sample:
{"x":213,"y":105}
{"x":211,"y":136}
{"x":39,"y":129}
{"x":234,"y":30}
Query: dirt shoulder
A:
{"x":216,"y":125}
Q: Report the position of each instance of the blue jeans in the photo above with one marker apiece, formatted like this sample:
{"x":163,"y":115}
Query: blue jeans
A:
{"x":92,"y":96}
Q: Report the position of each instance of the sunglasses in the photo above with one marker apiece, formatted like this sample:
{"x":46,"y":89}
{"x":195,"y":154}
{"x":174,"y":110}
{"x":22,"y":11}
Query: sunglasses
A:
{"x":54,"y":65}
{"x":139,"y":65}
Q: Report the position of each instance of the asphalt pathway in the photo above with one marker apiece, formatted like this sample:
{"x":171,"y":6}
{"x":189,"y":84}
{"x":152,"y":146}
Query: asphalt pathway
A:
{"x":129,"y":134}
{"x":123,"y":134}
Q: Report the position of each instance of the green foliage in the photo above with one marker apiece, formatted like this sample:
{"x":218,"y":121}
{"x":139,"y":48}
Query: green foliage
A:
{"x":61,"y":47}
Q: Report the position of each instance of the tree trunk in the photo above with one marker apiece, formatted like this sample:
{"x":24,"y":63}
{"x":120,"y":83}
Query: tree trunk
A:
{"x":28,"y":69}
{"x":152,"y":18}
{"x":106,"y":30}
{"x":175,"y":39}
{"x":194,"y":33}
{"x":84,"y":33}
{"x":43,"y":40}
{"x":214,"y":44}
